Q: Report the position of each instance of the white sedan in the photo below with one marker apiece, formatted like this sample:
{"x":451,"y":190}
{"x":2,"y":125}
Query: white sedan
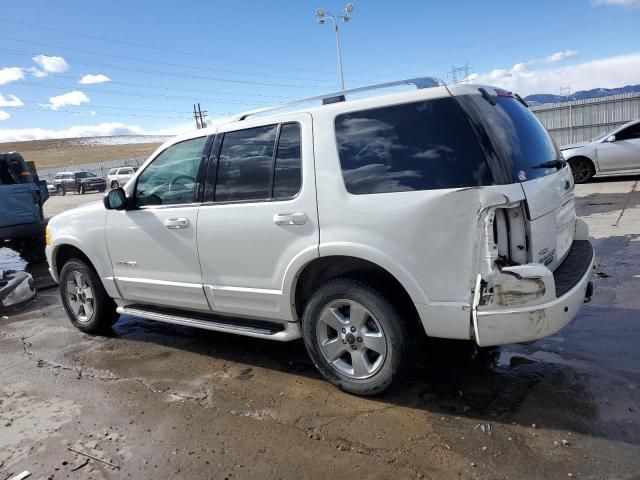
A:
{"x":616,"y":153}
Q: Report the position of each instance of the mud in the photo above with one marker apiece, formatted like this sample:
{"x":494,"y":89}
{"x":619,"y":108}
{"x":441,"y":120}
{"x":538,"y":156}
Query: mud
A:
{"x":161,"y":401}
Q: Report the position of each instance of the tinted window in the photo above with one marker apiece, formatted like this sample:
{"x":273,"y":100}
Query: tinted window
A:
{"x":415,"y":146}
{"x":287,"y":178}
{"x":85,"y":174}
{"x":244,"y":165}
{"x":629,"y":133}
{"x":170,"y":179}
{"x":519,"y":135}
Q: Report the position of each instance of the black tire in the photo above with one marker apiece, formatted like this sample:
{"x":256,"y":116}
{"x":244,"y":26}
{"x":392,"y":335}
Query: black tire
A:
{"x":394,"y":331}
{"x":60,"y":190}
{"x":114,"y":185}
{"x":582,"y":169}
{"x":103,"y":314}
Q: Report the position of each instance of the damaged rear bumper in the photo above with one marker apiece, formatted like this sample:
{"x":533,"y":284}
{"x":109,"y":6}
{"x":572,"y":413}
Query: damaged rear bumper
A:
{"x":495,"y":325}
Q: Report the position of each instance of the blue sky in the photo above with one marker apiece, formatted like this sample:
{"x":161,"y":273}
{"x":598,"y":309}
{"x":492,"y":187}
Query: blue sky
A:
{"x":149,"y":64}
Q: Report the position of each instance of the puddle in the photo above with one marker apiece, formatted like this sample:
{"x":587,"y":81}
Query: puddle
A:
{"x":11,"y":260}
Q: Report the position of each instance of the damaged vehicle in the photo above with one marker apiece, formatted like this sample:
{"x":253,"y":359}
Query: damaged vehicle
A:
{"x":359,"y":225}
{"x":22,"y":196}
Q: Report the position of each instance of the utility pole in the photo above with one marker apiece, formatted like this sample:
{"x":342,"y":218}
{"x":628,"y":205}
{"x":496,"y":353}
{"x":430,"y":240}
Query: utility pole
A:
{"x":199,"y":116}
{"x":566,"y":91}
{"x":465,"y":70}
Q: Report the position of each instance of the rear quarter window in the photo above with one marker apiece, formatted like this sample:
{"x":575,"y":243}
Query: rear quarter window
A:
{"x":415,"y":146}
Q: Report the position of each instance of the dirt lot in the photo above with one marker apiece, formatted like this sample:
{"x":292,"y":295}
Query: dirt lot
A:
{"x":159,"y":401}
{"x":67,"y":152}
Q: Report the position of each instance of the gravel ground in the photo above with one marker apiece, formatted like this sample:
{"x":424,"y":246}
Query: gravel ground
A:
{"x":160,"y":401}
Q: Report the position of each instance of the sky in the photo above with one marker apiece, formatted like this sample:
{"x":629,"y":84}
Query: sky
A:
{"x":76,"y":68}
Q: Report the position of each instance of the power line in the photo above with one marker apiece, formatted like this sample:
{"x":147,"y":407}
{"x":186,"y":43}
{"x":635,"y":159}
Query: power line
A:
{"x":136,"y":94}
{"x":143,"y":60}
{"x":158,"y":72}
{"x":160,"y":49}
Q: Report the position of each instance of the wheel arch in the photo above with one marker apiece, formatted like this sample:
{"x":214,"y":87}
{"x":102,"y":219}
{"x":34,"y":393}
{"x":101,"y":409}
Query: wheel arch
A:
{"x":593,"y":163}
{"x":323,"y":269}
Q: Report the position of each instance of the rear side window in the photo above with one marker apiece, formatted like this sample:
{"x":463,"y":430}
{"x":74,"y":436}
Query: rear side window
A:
{"x":251,"y":167}
{"x":416,"y":146}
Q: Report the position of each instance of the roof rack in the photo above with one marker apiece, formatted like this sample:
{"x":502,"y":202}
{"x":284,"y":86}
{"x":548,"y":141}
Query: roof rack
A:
{"x":420,"y":83}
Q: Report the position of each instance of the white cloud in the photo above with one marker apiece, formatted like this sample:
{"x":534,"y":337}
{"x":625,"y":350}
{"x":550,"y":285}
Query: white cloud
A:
{"x":101,"y":130}
{"x":37,"y":73}
{"x":89,"y":79}
{"x":10,"y":101}
{"x":561,"y":56}
{"x":72,"y":98}
{"x":4,"y":115}
{"x":10,"y":74}
{"x":50,"y":64}
{"x":606,"y":73}
{"x":617,"y":3}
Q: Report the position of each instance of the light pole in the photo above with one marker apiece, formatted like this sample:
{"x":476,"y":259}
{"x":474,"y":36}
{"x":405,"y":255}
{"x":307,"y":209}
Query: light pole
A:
{"x":345,"y":16}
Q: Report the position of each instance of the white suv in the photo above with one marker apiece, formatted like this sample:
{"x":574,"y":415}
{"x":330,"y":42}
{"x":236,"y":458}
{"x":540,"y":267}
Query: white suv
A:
{"x":358,"y":225}
{"x":118,"y":177}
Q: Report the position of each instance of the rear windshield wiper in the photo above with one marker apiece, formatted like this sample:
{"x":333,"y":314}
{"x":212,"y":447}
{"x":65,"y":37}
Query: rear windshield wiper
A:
{"x":551,"y":164}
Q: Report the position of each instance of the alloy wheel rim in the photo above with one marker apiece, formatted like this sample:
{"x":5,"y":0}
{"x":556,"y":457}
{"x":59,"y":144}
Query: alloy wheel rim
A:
{"x":80,"y":297}
{"x":351,"y":339}
{"x":581,"y":171}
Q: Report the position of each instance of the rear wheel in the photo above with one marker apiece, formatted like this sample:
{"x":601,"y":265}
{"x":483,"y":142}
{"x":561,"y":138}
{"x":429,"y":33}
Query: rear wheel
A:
{"x":60,"y":190}
{"x":84,"y":299}
{"x":355,"y":337}
{"x":582,"y":169}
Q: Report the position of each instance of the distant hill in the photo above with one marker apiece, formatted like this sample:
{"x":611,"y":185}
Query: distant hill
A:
{"x":541,"y":98}
{"x":57,"y":153}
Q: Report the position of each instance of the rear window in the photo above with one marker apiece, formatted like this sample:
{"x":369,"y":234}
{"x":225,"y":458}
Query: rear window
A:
{"x":415,"y":146}
{"x":520,"y":136}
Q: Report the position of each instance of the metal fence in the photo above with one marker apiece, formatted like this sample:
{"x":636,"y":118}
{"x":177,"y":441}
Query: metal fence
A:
{"x":101,"y":169}
{"x":581,"y":120}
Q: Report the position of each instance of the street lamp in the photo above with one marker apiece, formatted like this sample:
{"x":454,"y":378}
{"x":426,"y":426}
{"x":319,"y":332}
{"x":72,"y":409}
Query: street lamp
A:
{"x":345,"y":16}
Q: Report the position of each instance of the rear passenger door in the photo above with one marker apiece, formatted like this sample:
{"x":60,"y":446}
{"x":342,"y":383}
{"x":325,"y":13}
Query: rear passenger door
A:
{"x":259,"y":221}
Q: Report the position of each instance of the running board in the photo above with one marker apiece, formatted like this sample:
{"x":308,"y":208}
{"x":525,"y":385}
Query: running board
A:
{"x":251,"y":328}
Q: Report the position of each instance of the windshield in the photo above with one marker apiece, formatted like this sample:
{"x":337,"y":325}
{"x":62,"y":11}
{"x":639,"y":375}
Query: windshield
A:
{"x":520,"y":136}
{"x":84,"y":174}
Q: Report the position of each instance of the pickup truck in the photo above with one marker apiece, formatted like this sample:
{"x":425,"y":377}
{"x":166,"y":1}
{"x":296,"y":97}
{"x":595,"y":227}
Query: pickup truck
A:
{"x":22,"y":195}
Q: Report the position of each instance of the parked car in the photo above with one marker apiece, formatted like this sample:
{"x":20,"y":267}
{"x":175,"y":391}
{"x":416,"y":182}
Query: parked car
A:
{"x":50,"y":188}
{"x":118,"y":177}
{"x":22,"y":195}
{"x":79,"y":182}
{"x":615,"y":153}
{"x":358,"y":225}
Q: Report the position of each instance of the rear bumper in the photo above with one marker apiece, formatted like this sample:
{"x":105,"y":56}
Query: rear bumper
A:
{"x":572,"y":281}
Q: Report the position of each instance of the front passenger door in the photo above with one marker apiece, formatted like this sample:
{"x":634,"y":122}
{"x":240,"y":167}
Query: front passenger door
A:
{"x":152,"y":244}
{"x":624,"y":153}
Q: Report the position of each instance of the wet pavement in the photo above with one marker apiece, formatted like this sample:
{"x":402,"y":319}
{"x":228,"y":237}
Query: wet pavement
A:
{"x":161,"y":401}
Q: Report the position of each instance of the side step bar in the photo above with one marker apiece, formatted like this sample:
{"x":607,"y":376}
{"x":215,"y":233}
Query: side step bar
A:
{"x":252,"y":328}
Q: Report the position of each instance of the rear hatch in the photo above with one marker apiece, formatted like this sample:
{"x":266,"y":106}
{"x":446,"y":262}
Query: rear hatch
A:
{"x":530,"y":156}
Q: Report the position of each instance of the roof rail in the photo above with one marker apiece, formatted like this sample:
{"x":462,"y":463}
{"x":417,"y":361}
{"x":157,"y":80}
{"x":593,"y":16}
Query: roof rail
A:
{"x":420,"y":83}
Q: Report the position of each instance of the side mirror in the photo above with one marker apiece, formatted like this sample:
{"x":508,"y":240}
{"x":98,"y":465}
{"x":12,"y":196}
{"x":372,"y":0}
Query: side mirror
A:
{"x":611,"y":139}
{"x":115,"y":200}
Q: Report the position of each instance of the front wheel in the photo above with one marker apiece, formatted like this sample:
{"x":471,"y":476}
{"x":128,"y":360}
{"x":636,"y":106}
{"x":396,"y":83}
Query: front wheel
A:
{"x":84,"y":299}
{"x":582,"y":170}
{"x":114,"y":185}
{"x":355,"y":337}
{"x":60,"y":190}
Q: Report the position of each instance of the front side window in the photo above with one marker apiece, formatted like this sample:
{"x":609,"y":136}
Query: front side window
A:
{"x":414,"y":146}
{"x":112,"y":171}
{"x":170,"y":179}
{"x":629,"y":133}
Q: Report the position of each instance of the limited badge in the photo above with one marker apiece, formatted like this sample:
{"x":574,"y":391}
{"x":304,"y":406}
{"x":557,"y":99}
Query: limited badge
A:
{"x":522,"y":176}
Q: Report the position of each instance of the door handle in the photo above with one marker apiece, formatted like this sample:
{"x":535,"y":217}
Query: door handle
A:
{"x":176,"y":223}
{"x":297,"y":218}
